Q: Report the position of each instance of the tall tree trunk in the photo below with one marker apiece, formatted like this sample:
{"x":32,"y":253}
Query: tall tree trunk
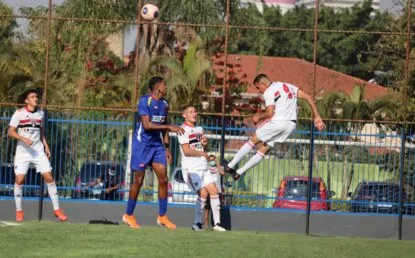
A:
{"x":350,"y":176}
{"x":328,"y":168}
{"x":345,"y":176}
{"x":315,"y":164}
{"x":80,"y":91}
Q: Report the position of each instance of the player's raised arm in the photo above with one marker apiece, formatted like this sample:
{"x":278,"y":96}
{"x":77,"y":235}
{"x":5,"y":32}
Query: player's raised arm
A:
{"x":318,"y":123}
{"x":149,"y":126}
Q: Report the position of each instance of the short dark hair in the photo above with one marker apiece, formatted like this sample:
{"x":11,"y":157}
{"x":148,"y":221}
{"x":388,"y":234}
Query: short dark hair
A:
{"x":212,"y":156}
{"x":260,"y":77}
{"x":24,"y":95}
{"x":185,"y":107}
{"x":154,"y":81}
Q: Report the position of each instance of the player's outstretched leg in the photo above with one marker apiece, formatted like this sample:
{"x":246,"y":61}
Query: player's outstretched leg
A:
{"x":253,"y":161}
{"x":246,"y":148}
{"x":53,"y":194}
{"x":128,"y":217}
{"x":161,"y":172}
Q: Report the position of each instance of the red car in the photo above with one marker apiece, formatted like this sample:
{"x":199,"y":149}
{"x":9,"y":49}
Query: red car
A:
{"x":293,"y":191}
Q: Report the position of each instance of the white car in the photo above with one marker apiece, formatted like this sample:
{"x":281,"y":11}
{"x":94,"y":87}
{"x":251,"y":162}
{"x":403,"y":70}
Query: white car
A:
{"x":179,"y":192}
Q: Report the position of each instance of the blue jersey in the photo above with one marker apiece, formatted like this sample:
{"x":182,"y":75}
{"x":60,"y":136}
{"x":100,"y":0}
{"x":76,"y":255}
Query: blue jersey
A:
{"x":156,"y":110}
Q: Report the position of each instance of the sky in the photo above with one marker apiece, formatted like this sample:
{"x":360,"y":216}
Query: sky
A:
{"x":130,"y":36}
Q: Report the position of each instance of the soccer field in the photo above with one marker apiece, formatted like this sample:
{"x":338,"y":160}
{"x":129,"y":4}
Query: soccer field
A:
{"x":48,"y":239}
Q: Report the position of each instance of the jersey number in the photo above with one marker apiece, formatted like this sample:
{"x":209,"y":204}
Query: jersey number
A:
{"x":287,"y":90}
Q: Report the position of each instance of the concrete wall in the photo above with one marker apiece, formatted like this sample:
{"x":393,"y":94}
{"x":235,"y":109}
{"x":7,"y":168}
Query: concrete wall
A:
{"x":321,"y":224}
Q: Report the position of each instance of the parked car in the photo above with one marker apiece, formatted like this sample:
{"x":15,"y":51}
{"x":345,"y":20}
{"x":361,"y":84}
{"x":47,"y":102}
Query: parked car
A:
{"x":31,"y":185}
{"x":90,"y":172}
{"x":379,"y":197}
{"x":179,"y":192}
{"x":293,"y":192}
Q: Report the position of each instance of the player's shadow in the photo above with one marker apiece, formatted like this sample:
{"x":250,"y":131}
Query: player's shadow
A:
{"x":103,"y":221}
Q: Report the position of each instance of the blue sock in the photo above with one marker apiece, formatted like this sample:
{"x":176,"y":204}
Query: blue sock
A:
{"x":130,"y":207}
{"x":162,"y":207}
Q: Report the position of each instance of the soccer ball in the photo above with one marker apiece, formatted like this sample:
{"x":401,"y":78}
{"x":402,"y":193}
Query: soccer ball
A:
{"x":149,"y":12}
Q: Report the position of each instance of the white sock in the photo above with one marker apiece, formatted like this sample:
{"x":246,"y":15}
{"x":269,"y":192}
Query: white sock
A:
{"x":246,"y":148}
{"x":251,"y":162}
{"x":199,"y":208}
{"x":215,"y":204}
{"x":18,"y":192}
{"x":53,"y":194}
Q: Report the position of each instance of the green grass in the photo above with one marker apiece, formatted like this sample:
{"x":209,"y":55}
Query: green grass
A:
{"x":48,"y":239}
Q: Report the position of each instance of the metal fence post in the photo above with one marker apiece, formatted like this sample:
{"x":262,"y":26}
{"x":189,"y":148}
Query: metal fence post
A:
{"x":310,"y":179}
{"x":222,"y":138}
{"x":401,"y":169}
{"x":42,"y":182}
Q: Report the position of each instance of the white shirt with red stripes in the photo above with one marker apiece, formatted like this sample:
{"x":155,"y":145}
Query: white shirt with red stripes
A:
{"x":28,"y":125}
{"x":284,"y":98}
{"x":192,"y":136}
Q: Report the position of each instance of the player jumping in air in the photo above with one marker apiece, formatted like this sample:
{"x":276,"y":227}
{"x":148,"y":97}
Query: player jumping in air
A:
{"x":277,"y":122}
{"x":151,"y":147}
{"x":193,"y":147}
{"x":26,"y":126}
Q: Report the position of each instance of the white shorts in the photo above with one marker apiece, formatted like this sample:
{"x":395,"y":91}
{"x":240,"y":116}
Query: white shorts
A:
{"x":198,"y":179}
{"x":275,"y":131}
{"x":23,"y":161}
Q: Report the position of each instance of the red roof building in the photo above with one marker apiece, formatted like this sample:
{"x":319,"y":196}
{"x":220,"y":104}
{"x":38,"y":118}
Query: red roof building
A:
{"x":296,"y":71}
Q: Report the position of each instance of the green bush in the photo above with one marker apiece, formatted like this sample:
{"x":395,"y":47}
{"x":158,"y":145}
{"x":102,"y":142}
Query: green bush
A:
{"x":339,"y":205}
{"x":246,"y":199}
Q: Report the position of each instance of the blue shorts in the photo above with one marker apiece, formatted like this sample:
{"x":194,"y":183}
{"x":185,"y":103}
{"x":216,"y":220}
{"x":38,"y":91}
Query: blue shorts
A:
{"x":143,"y":155}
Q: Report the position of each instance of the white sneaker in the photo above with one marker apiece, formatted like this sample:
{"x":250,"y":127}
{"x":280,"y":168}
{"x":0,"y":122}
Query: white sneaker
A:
{"x":218,"y":228}
{"x":197,"y":227}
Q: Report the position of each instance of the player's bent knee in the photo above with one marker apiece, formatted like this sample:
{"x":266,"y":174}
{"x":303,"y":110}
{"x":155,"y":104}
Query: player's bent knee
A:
{"x":48,"y":177}
{"x":19,"y":179}
{"x":211,"y":189}
{"x":254,"y":139}
{"x":163,"y":181}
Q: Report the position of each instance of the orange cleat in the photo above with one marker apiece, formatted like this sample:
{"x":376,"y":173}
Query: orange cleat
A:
{"x":164,"y":221}
{"x":19,"y":216}
{"x":60,"y":215}
{"x":130,"y":221}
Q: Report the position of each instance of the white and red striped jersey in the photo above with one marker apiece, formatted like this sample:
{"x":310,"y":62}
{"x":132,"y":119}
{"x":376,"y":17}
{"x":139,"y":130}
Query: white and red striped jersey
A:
{"x":284,"y":97}
{"x":28,"y":125}
{"x":192,"y":136}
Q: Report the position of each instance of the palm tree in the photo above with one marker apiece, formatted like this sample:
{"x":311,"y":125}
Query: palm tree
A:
{"x":184,"y":78}
{"x":353,"y":106}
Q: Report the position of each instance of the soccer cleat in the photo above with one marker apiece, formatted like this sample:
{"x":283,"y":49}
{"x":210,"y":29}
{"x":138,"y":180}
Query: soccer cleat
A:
{"x":218,"y":228}
{"x":19,"y":216}
{"x":164,"y":221}
{"x":197,"y":227}
{"x":235,"y":176}
{"x":60,"y":215}
{"x":228,"y":169}
{"x":130,"y":221}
